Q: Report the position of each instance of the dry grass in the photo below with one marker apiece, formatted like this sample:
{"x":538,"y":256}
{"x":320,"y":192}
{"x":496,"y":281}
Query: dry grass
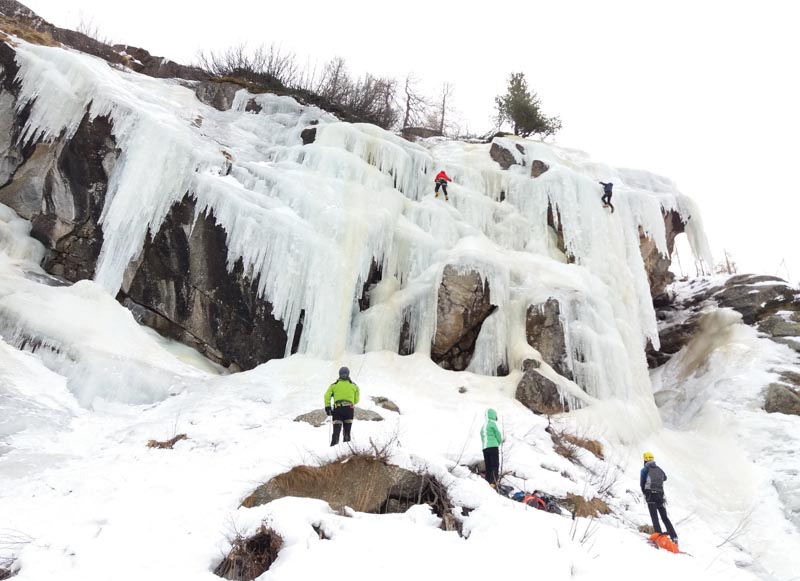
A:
{"x":250,"y":557}
{"x":9,"y":26}
{"x":647,"y":529}
{"x":581,"y":507}
{"x":592,"y":446}
{"x":167,"y":444}
{"x":567,"y":445}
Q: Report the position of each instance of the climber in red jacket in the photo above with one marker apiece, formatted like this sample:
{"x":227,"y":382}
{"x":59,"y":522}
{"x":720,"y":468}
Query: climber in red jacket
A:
{"x":441,"y":180}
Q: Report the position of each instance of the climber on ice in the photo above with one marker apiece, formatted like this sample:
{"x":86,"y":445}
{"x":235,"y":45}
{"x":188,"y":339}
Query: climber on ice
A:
{"x":441,"y":180}
{"x":606,"y":199}
{"x":490,"y":441}
{"x":651,"y":481}
{"x":345,"y":396}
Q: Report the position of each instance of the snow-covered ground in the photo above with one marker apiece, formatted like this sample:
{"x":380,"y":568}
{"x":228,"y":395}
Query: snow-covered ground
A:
{"x":83,"y":497}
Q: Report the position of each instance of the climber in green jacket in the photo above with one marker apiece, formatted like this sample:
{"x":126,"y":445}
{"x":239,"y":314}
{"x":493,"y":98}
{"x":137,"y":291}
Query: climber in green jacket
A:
{"x":345,"y":396}
{"x":491,"y":438}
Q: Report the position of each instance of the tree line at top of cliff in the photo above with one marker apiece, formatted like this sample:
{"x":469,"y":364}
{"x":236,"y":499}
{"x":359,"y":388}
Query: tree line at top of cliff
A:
{"x":393,"y":104}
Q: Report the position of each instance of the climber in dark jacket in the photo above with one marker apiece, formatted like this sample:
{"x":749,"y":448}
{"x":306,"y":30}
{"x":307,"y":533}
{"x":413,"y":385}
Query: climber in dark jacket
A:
{"x":606,"y":199}
{"x":651,"y":481}
{"x":345,"y":395}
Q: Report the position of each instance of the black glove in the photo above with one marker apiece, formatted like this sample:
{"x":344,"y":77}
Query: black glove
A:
{"x":327,"y":410}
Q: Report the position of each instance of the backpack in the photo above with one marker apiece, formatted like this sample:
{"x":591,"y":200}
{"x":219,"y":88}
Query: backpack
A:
{"x":655,"y":477}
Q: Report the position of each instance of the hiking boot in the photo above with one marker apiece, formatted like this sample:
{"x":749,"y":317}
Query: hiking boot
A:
{"x":446,"y":199}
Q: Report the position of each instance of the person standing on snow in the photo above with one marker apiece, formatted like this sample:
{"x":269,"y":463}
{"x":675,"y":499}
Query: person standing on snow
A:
{"x":651,"y":481}
{"x":606,"y":199}
{"x":491,"y":440}
{"x":345,"y":396}
{"x":441,"y":180}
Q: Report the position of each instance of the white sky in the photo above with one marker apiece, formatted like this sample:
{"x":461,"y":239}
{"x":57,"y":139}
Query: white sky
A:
{"x":706,"y":92}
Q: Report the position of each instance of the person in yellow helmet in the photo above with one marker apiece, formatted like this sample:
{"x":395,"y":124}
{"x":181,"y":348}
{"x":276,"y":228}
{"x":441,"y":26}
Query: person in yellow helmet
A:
{"x":651,"y":481}
{"x":345,"y":395}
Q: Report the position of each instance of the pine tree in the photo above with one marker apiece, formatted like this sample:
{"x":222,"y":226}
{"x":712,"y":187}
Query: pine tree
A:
{"x":520,"y":107}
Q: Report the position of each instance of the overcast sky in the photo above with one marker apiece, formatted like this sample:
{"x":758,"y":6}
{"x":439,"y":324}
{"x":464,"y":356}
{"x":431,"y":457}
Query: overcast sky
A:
{"x":706,"y":92}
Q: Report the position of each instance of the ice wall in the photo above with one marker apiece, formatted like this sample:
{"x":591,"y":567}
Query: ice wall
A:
{"x":308,"y":221}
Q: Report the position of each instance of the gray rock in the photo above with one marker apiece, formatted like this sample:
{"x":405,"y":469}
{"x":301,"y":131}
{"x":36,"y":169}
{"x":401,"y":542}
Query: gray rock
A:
{"x":217,"y":94}
{"x":463,"y":305}
{"x":538,"y":167}
{"x":308,"y":135}
{"x":753,"y":300}
{"x":538,"y":393}
{"x":317,"y":417}
{"x":386,"y":404}
{"x":777,"y":326}
{"x":780,"y":398}
{"x":545,"y":333}
{"x":502,"y":155}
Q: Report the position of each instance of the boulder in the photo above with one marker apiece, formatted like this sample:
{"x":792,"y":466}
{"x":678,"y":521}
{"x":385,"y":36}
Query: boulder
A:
{"x":317,"y":417}
{"x":463,"y":305}
{"x":362,"y":483}
{"x":782,"y":399}
{"x":538,"y":393}
{"x":538,"y":167}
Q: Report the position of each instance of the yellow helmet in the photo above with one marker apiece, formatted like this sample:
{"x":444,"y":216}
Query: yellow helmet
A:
{"x":648,"y":457}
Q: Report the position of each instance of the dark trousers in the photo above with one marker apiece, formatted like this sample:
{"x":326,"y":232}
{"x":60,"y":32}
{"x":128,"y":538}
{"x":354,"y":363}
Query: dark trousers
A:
{"x":655,"y":504}
{"x":607,"y":200}
{"x":443,"y":185}
{"x":342,"y":416}
{"x":491,"y":457}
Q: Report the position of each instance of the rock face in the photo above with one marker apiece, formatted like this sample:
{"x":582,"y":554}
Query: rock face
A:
{"x":463,"y":305}
{"x":60,"y":187}
{"x":182,"y":282}
{"x":364,"y":484}
{"x":657,"y":265}
{"x":545,"y":333}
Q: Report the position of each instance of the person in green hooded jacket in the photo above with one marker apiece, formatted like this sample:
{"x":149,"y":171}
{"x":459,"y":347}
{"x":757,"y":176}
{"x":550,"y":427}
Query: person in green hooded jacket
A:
{"x":491,"y":438}
{"x":345,"y":396}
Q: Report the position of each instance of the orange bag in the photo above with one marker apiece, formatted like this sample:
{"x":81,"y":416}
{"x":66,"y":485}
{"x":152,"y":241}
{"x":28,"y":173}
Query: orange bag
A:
{"x":662,"y":541}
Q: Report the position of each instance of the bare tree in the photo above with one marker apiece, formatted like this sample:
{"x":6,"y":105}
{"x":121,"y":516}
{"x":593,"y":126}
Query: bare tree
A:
{"x":86,"y":25}
{"x":270,"y":65}
{"x":727,"y":266}
{"x":437,"y":117}
{"x":415,"y":104}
